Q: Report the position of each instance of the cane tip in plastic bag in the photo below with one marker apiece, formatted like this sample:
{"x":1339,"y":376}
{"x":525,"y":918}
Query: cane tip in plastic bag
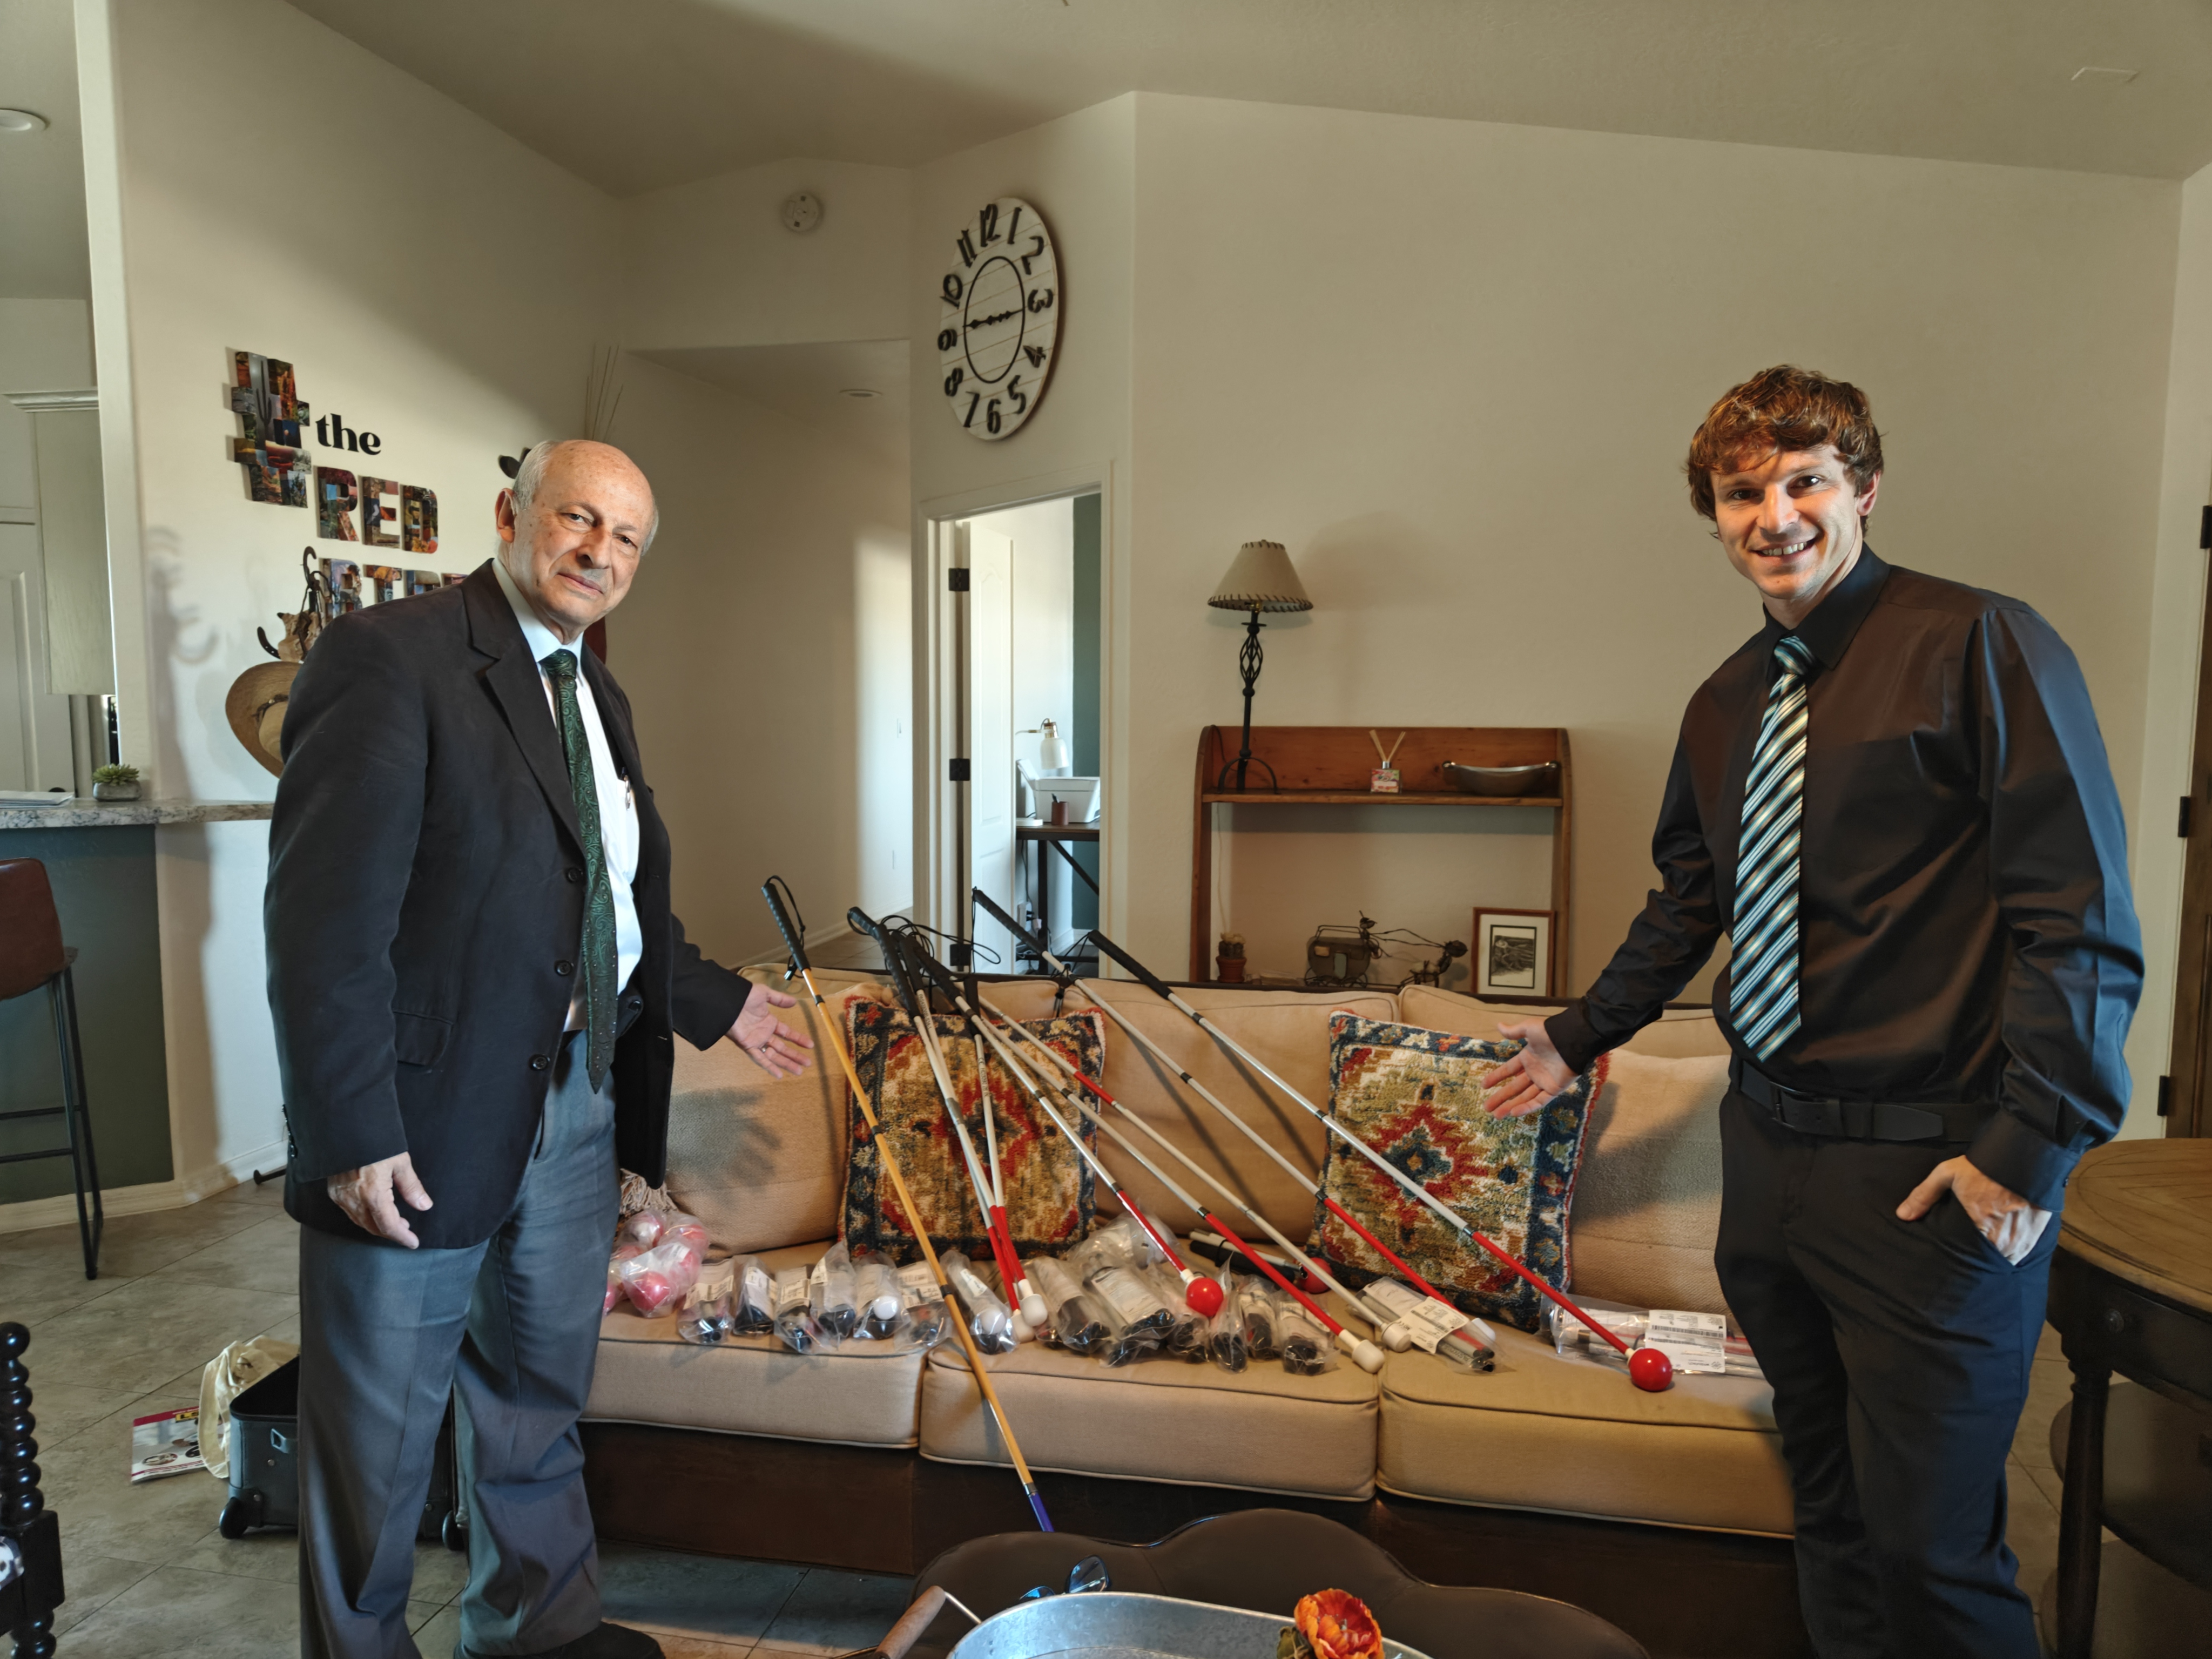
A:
{"x":1651,"y":1370}
{"x":1204,"y":1297}
{"x":1395,"y":1337}
{"x":1365,"y":1355}
{"x":1035,"y":1311}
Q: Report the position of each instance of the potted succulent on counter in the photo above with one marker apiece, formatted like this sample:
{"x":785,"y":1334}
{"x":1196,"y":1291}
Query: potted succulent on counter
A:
{"x":115,"y":783}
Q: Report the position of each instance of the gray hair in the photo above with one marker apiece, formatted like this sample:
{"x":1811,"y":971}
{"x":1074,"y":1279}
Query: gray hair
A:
{"x":531,"y":473}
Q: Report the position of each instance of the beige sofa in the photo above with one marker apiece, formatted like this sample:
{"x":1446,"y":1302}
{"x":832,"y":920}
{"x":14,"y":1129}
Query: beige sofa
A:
{"x":762,"y":1164}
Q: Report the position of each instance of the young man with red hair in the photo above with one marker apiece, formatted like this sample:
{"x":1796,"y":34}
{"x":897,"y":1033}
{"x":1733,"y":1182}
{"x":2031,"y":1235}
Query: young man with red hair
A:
{"x":1894,"y":801}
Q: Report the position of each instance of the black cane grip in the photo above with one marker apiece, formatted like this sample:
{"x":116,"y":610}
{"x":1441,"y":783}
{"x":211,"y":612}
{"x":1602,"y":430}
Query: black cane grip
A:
{"x":784,"y":925}
{"x":1011,"y":925}
{"x":861,"y":922}
{"x":1151,"y":982}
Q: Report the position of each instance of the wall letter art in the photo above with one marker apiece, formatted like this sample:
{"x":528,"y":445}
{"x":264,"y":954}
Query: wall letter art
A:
{"x":261,"y":394}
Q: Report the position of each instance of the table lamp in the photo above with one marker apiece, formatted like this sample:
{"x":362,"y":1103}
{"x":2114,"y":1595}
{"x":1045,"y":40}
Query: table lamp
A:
{"x":1260,"y":577}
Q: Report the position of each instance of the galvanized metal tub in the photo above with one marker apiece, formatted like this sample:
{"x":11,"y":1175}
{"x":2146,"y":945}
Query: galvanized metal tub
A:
{"x":1117,"y":1624}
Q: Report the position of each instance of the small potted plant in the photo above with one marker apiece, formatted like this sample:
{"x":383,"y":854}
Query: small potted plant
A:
{"x":115,"y":783}
{"x":1229,"y":959}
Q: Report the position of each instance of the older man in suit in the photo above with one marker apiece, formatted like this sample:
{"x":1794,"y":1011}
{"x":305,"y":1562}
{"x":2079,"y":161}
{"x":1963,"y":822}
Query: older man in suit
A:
{"x":476,"y":982}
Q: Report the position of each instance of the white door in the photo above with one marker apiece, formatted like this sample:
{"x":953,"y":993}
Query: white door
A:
{"x":34,"y":724}
{"x":991,"y":734}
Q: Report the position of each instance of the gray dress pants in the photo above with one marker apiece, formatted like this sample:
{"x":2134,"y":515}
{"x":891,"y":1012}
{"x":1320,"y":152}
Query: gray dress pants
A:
{"x":388,"y":1334}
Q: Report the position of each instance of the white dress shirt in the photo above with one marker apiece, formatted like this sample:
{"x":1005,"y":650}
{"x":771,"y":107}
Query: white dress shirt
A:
{"x":618,"y":834}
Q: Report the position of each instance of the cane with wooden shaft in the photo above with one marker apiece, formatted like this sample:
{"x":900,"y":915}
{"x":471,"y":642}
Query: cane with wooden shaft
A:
{"x":1202,"y":1294}
{"x":1391,"y":1329}
{"x":794,"y":938}
{"x":1647,"y":1368}
{"x":914,"y":997}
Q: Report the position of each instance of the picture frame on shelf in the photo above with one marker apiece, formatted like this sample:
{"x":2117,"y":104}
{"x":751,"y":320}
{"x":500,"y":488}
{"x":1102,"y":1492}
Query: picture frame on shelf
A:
{"x":1513,"y":954}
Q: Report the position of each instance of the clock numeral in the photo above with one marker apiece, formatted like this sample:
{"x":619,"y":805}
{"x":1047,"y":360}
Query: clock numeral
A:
{"x":1036,"y":354}
{"x":991,"y":416}
{"x":1019,"y":398}
{"x":1014,"y":226}
{"x":1036,"y":247}
{"x":1041,"y":300}
{"x":973,"y":398}
{"x":953,"y":288}
{"x":952,"y":381}
{"x":947,"y":338}
{"x":989,"y":223}
{"x":968,"y":248}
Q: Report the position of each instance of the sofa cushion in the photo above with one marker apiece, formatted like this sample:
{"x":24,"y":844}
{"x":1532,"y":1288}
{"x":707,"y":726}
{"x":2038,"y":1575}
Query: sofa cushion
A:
{"x":1288,"y":1029}
{"x":761,"y":1160}
{"x":1260,"y":1430}
{"x":1678,"y":1032}
{"x":1047,"y":1187}
{"x":1647,"y":1208}
{"x":1543,"y":1432}
{"x":1415,"y":1096}
{"x":752,"y":1384}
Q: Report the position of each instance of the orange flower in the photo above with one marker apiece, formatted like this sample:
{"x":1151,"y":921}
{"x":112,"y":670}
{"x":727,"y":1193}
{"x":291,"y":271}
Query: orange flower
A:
{"x":1339,"y":1626}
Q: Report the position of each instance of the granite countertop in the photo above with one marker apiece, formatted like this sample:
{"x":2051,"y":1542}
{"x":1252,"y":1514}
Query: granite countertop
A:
{"x":83,"y":814}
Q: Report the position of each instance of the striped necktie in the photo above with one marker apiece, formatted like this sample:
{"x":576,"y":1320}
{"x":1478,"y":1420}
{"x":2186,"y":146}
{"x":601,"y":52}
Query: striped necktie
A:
{"x":599,"y":955}
{"x":1762,"y":983}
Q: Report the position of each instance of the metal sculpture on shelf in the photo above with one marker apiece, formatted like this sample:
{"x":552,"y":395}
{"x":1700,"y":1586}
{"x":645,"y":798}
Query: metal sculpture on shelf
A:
{"x":1338,"y":957}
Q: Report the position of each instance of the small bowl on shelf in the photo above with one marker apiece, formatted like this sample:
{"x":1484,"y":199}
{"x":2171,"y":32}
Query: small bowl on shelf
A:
{"x":1539,"y":780}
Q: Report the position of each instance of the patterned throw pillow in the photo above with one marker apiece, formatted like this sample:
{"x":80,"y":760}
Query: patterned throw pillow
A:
{"x":1416,"y":1096}
{"x":1049,"y":1202}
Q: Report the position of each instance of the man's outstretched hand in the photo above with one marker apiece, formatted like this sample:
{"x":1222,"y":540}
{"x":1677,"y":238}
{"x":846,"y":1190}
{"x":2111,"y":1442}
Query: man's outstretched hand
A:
{"x":774,"y":1046}
{"x":366,"y":1195}
{"x":1531,"y":1079}
{"x":2009,"y":1222}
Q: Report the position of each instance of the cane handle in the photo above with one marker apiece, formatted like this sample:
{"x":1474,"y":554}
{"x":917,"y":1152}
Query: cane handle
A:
{"x":914,"y":1620}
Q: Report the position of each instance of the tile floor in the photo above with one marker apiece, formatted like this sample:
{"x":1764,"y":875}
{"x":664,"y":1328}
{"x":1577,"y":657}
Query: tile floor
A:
{"x":148,"y":1574}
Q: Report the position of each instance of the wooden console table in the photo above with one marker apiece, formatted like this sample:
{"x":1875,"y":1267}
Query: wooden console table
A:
{"x":2131,"y":1293}
{"x":1329,"y":766}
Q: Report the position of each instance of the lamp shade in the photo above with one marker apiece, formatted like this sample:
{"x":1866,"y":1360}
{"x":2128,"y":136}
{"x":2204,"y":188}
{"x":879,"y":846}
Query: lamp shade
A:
{"x":1261,"y":578}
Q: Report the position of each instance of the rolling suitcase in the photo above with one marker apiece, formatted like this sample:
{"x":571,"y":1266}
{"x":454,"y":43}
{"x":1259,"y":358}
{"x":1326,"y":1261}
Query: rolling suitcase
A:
{"x":264,"y":1469}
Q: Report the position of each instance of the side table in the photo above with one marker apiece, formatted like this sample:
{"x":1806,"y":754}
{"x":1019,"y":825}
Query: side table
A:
{"x":2131,"y":1293}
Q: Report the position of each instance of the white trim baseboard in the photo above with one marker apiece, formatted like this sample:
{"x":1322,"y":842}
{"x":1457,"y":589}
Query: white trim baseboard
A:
{"x":60,"y":1210}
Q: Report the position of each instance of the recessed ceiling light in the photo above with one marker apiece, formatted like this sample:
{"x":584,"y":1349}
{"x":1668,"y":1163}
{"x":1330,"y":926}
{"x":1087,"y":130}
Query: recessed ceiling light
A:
{"x":21,"y":120}
{"x":861,"y":392}
{"x":2089,"y":74}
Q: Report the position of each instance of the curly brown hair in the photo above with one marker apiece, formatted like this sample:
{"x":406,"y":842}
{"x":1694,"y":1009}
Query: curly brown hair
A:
{"x":1783,"y":408}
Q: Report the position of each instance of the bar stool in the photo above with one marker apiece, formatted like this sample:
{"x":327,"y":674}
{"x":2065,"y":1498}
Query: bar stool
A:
{"x":31,"y":955}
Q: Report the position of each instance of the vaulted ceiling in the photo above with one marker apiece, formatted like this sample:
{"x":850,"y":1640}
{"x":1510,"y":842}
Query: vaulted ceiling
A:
{"x":649,"y":92}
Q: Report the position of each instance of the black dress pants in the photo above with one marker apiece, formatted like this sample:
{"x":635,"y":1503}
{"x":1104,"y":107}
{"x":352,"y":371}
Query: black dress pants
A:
{"x":1900,"y":1353}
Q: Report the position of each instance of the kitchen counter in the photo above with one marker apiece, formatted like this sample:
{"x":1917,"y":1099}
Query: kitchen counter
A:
{"x":82,"y":814}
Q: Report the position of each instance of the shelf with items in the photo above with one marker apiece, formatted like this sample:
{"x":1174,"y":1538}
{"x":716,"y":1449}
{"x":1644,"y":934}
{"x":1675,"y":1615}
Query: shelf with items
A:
{"x":1332,"y":765}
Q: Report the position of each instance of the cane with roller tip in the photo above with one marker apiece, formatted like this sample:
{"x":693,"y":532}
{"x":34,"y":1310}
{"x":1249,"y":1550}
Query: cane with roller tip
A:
{"x":1202,"y":1294}
{"x":1392,"y":1327}
{"x":794,"y":937}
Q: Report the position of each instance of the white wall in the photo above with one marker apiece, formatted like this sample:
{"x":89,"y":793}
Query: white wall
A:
{"x":45,"y":345}
{"x":426,"y":277}
{"x":1454,"y":367}
{"x":711,"y":264}
{"x":2175,"y":619}
{"x":764,"y":647}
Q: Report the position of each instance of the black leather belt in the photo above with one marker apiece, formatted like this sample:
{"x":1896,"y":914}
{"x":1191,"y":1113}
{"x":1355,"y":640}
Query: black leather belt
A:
{"x":1857,"y":1119}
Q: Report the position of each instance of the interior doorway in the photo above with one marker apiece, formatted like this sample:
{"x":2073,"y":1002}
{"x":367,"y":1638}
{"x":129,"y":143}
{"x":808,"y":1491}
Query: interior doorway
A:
{"x":1025,"y":617}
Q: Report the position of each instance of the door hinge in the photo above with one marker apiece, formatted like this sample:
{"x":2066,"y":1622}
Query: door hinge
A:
{"x":2188,"y":802}
{"x":2164,"y":1096}
{"x":958,"y":770}
{"x":956,"y":579}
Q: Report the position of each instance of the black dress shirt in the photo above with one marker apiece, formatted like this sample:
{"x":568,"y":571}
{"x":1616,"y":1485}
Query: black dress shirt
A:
{"x":1966,"y":928}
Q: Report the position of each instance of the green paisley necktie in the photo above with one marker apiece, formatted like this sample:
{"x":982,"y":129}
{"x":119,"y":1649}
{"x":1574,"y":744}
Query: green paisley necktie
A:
{"x":597,"y":961}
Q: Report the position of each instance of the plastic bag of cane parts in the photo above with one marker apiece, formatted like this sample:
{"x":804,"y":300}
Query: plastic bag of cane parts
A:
{"x":752,"y":1298}
{"x":655,"y":1280}
{"x":624,"y":1250}
{"x":1225,"y":1332}
{"x":877,"y":1295}
{"x":1068,"y":1324}
{"x":926,"y":1319}
{"x":1120,"y":1243}
{"x":832,"y":1290}
{"x":704,"y":1315}
{"x":1140,"y":1320}
{"x":1256,"y":1302}
{"x":1306,"y":1348}
{"x":1186,"y":1337}
{"x":793,"y":1314}
{"x":989,"y":1320}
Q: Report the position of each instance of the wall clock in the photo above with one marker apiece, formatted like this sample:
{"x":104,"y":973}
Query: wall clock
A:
{"x":1000,"y":328}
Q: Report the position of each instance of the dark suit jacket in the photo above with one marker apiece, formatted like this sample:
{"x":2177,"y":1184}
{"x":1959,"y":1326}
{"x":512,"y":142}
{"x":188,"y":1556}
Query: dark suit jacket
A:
{"x":424,"y":907}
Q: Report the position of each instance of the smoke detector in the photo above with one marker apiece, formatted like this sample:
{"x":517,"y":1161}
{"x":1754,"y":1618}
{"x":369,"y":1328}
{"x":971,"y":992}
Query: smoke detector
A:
{"x":22,"y":120}
{"x":802,"y":212}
